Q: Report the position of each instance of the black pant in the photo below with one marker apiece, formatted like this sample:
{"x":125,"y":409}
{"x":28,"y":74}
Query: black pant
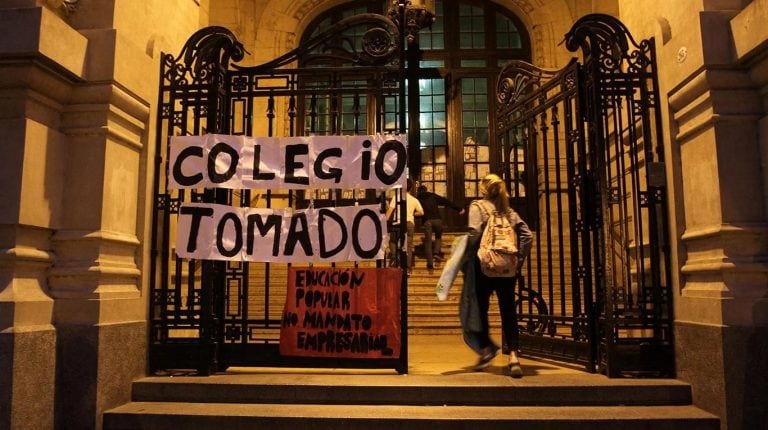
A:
{"x":394,"y":246}
{"x":432,"y":226}
{"x":505,"y":292}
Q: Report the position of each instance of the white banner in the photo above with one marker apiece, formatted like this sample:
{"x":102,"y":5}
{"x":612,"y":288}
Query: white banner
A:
{"x":311,"y":162}
{"x":222,"y":232}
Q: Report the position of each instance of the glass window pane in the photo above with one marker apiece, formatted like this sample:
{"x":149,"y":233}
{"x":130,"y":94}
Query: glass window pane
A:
{"x":432,"y":63}
{"x":439,"y":120}
{"x":465,"y":40}
{"x":468,"y":87}
{"x":473,"y":63}
{"x":507,"y":35}
{"x":482,"y":104}
{"x":469,"y":119}
{"x":426,"y":139}
{"x":440,"y":138}
{"x":471,"y":27}
{"x":425,"y":103}
{"x":432,"y":111}
{"x":434,"y":167}
{"x":475,"y":133}
{"x":427,"y":120}
{"x":438,"y":42}
{"x":439,"y":104}
{"x":434,"y":37}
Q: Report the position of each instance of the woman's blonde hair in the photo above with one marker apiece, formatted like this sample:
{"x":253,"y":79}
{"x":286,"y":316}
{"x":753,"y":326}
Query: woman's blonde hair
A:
{"x":493,"y":189}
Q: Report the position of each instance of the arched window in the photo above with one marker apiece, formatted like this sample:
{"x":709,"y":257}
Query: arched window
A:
{"x":459,"y":59}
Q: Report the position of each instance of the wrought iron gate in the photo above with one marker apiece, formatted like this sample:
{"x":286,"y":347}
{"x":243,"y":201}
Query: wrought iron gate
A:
{"x":208,"y":315}
{"x":584,"y":155}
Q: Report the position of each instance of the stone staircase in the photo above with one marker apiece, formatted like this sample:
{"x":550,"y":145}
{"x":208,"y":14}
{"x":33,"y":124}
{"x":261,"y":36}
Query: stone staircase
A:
{"x":462,"y":401}
{"x":426,"y":314}
{"x":342,"y":399}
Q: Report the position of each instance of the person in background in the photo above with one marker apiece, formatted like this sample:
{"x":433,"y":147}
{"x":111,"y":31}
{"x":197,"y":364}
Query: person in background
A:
{"x":413,"y":209}
{"x":433,"y":224}
{"x":475,"y":298}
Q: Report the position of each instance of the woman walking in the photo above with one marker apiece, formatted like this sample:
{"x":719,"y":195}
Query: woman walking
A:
{"x":478,"y":287}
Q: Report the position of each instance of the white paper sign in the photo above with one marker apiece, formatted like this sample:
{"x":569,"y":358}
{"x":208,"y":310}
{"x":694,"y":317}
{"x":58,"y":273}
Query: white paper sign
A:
{"x":311,"y":162}
{"x":221,"y":232}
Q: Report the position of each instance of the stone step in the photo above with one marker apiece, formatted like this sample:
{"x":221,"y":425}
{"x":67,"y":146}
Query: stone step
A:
{"x":435,"y":331}
{"x":571,"y":389}
{"x":468,"y":400}
{"x":164,"y":415}
{"x":443,"y":319}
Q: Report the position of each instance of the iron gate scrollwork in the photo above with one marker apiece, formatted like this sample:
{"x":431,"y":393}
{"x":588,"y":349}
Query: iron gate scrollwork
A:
{"x":207,"y":315}
{"x":583,"y":154}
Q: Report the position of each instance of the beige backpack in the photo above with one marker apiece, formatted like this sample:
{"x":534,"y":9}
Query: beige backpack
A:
{"x":498,"y":252}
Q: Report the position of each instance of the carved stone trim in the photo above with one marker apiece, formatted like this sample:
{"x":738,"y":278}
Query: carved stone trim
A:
{"x":63,"y":8}
{"x":70,"y":6}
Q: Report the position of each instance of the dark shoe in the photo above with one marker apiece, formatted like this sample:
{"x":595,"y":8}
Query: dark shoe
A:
{"x":486,"y":359}
{"x":430,"y":267}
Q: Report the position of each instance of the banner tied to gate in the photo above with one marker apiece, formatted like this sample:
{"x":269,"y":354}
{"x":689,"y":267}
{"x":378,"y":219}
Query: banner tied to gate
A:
{"x":221,"y":232}
{"x":308,"y":162}
{"x":342,"y":312}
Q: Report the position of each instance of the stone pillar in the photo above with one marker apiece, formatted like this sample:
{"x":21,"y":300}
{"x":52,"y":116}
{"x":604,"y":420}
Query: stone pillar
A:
{"x":36,"y":80}
{"x":77,"y":80}
{"x":100,"y":313}
{"x":98,"y":282}
{"x":715,"y":110}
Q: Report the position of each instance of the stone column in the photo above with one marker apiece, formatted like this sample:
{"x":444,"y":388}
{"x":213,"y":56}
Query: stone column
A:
{"x":100,"y":315}
{"x":100,"y":312}
{"x":98,"y":281}
{"x":73,"y":174}
{"x":36,"y":80}
{"x":715,"y":111}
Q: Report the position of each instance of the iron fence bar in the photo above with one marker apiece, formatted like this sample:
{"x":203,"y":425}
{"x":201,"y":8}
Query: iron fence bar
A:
{"x":584,"y":271}
{"x":622,"y":200}
{"x":615,"y":74}
{"x":635,"y":166}
{"x":228,"y":107}
{"x":544,"y":130}
{"x":559,"y":206}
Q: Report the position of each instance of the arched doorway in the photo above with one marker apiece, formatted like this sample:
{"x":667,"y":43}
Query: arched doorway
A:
{"x":217,"y":314}
{"x":451,"y":79}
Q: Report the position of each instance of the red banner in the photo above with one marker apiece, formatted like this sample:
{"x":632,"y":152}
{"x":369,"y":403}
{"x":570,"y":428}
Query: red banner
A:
{"x":342,"y":312}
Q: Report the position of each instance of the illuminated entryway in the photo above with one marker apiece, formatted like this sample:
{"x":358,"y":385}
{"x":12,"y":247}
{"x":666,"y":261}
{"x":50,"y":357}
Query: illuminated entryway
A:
{"x":580,"y":148}
{"x":454,"y":64}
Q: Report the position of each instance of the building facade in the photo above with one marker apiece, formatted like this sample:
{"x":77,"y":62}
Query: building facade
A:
{"x":78,"y":99}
